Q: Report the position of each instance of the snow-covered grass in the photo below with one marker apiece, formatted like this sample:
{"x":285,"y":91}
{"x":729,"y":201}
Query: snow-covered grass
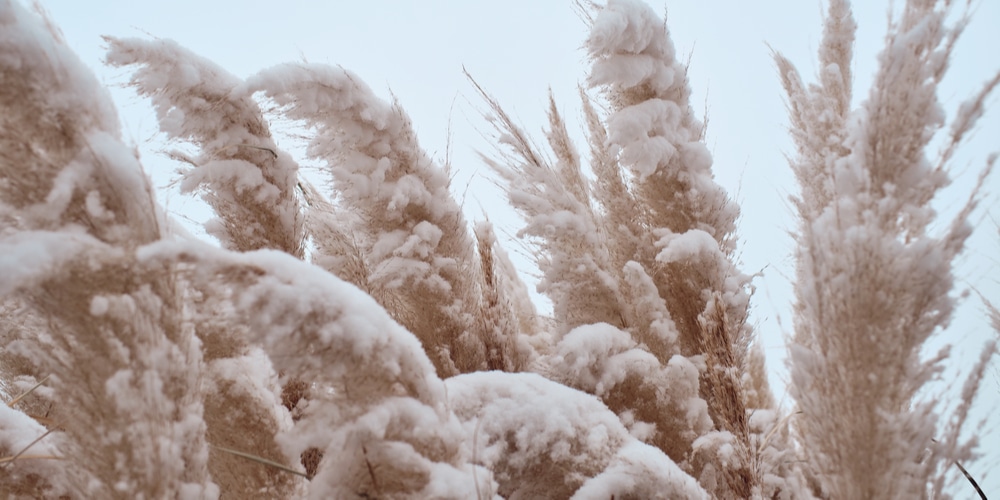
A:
{"x":366,"y":342}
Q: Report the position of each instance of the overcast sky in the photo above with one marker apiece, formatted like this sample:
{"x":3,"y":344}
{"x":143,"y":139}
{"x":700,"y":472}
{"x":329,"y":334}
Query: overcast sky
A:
{"x":517,"y":49}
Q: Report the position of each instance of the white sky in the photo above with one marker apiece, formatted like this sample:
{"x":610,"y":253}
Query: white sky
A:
{"x":517,"y":49}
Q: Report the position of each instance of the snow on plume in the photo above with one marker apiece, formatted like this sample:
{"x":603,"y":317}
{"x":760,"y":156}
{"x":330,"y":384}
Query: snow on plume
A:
{"x":385,"y":405}
{"x":873,"y":285}
{"x":248,"y":181}
{"x":693,"y":245}
{"x":130,"y":375}
{"x":607,"y":362}
{"x":412,"y":235}
{"x":652,"y":124}
{"x":543,"y":439}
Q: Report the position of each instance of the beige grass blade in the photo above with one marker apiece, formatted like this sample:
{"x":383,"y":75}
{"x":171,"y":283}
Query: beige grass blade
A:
{"x":28,"y":392}
{"x":260,"y":460}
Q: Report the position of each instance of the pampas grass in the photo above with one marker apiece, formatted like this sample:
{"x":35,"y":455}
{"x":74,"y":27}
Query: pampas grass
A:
{"x":366,"y":341}
{"x":873,"y":284}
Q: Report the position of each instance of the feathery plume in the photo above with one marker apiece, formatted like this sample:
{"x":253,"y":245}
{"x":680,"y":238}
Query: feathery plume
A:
{"x":872,"y":284}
